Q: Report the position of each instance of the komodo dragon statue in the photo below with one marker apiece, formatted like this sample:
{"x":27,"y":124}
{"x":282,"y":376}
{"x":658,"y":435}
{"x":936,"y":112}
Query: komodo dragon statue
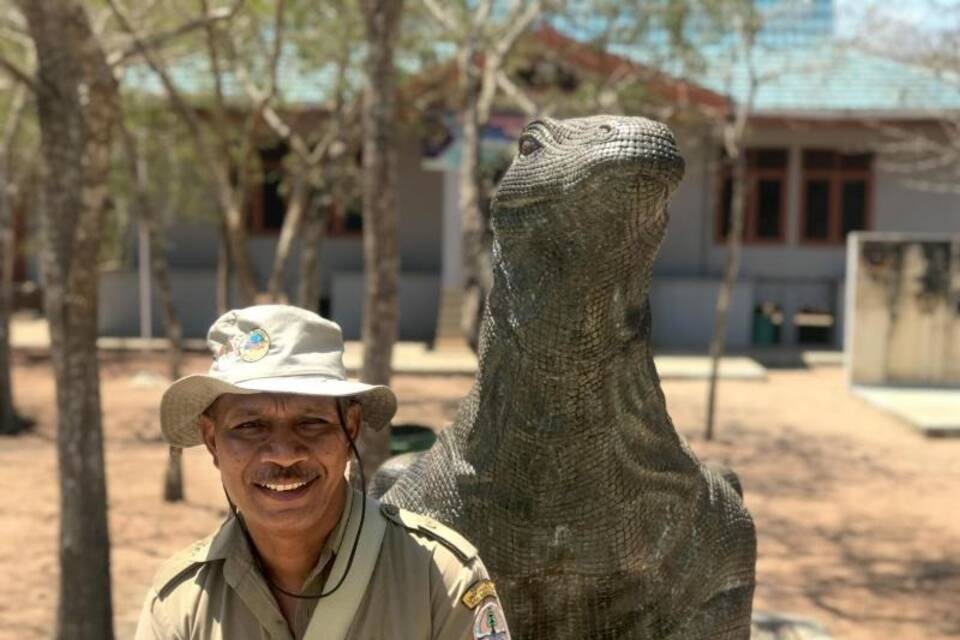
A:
{"x":562,"y":466}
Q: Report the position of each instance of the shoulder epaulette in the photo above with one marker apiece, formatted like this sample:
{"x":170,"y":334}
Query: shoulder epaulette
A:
{"x":430,"y":528}
{"x":179,"y":563}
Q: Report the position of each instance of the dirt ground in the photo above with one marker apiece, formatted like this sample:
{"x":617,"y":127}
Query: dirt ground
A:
{"x":857,"y":515}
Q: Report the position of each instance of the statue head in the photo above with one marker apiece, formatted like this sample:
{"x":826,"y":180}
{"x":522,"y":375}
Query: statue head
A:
{"x":587,"y":188}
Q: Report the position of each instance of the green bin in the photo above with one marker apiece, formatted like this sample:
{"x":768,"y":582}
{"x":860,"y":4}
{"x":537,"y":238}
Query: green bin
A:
{"x":405,"y":438}
{"x":767,"y":319}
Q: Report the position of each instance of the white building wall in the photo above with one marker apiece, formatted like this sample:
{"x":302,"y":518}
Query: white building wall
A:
{"x":686,"y":271}
{"x":685,"y":245}
{"x":791,"y":274}
{"x":192,"y":256}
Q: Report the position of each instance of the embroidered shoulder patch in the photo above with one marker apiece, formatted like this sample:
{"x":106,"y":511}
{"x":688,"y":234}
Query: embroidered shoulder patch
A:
{"x":489,"y":623}
{"x":478,"y":592}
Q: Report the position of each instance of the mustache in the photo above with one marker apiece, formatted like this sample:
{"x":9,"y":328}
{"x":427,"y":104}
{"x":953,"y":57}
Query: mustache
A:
{"x":276,"y":473}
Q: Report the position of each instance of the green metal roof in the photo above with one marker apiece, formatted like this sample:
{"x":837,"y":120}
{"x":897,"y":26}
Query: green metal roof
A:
{"x":837,"y":79}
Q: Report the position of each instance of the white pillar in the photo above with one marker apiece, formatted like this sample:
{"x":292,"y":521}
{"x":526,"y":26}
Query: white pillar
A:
{"x":448,"y":332}
{"x":143,"y":268}
{"x":452,"y":267}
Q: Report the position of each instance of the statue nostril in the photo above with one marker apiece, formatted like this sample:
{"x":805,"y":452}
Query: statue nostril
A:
{"x":605,"y":128}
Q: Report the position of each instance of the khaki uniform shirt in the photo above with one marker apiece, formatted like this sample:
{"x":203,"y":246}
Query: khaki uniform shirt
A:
{"x":428,"y":583}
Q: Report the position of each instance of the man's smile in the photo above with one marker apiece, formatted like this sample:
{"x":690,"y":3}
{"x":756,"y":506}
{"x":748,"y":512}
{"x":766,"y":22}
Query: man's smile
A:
{"x":285,"y":489}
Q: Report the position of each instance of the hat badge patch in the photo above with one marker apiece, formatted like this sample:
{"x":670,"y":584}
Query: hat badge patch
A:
{"x":249,"y":347}
{"x":255,"y":346}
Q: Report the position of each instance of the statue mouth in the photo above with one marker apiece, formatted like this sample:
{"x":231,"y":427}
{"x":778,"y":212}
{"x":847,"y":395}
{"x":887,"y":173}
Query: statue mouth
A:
{"x":602,"y":180}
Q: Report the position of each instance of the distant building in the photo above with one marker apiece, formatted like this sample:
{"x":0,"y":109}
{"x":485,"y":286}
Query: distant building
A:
{"x":816,"y":169}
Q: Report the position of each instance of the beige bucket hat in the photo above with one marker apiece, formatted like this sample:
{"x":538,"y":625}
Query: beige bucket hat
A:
{"x":269,"y":349}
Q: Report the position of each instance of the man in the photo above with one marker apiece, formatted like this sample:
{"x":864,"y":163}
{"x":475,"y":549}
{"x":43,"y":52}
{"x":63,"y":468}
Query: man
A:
{"x":303,"y":555}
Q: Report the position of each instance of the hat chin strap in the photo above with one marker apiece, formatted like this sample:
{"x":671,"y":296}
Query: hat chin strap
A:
{"x":341,"y":414}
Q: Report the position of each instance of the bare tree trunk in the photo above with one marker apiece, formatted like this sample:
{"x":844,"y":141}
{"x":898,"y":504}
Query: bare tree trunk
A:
{"x":291,"y":228}
{"x":223,"y":271}
{"x":161,"y":277}
{"x":136,"y":165}
{"x":381,"y":257}
{"x":734,"y":132}
{"x":236,"y":239}
{"x":734,"y":242}
{"x":10,"y":422}
{"x":472,"y":221}
{"x":480,"y":75}
{"x":77,"y":111}
{"x":173,"y":480}
{"x":308,"y":287}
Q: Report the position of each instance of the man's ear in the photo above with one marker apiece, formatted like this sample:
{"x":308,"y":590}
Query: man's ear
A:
{"x":208,"y":429}
{"x":354,"y":419}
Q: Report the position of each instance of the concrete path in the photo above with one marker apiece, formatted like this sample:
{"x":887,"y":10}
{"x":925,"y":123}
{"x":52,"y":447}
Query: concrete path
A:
{"x":933,"y":412}
{"x":409,"y":357}
{"x":697,"y":367}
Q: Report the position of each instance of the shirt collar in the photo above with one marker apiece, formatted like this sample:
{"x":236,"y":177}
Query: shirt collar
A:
{"x":230,"y":543}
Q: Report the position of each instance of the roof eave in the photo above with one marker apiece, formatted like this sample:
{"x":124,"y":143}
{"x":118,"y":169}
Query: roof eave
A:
{"x":900,"y":115}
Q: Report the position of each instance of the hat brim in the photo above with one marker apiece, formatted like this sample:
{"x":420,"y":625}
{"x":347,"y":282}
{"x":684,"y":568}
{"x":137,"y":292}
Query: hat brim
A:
{"x":187,"y":398}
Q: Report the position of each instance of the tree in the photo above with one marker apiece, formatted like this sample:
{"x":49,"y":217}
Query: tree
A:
{"x":925,"y":155}
{"x":10,"y":421}
{"x":136,"y":165}
{"x":215,"y":144}
{"x":320,"y":162}
{"x":245,"y":107}
{"x":746,"y":26}
{"x":484,"y":37}
{"x":380,"y":253}
{"x":739,"y":47}
{"x":75,"y":92}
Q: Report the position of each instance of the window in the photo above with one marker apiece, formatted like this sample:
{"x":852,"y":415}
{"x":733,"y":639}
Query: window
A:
{"x":267,"y":202}
{"x":835,"y":195}
{"x":345,"y":218}
{"x":765,"y":198}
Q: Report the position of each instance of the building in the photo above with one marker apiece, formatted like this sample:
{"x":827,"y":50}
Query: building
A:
{"x":819,"y":166}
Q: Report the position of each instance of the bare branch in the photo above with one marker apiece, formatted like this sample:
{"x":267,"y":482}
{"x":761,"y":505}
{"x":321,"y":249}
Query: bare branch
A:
{"x":186,"y":113}
{"x":213,"y":52}
{"x":482,"y":13}
{"x":517,"y":27}
{"x":15,"y":32}
{"x":159,"y":40}
{"x":516,"y":94}
{"x":13,"y":120}
{"x":278,"y":33}
{"x":18,"y":74}
{"x":12,"y":21}
{"x":440,"y":14}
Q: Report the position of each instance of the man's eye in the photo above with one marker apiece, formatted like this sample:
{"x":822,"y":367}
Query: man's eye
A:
{"x":528,"y":144}
{"x":317,"y":423}
{"x":247,"y":426}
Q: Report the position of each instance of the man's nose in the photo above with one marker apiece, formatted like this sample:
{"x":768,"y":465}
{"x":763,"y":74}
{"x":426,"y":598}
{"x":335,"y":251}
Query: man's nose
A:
{"x":284,"y":448}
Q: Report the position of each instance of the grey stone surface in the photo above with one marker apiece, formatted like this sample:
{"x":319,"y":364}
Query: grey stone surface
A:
{"x":778,"y":626}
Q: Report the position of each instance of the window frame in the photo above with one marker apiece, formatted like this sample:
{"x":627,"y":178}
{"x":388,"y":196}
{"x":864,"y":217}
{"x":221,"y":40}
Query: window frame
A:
{"x":754,"y":175}
{"x":334,"y":223}
{"x":270,"y":160}
{"x":835,"y":177}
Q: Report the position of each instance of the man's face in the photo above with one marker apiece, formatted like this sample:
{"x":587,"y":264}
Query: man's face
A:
{"x":281,"y":457}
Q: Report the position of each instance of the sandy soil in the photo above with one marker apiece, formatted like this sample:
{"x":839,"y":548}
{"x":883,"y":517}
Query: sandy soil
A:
{"x":857,"y":515}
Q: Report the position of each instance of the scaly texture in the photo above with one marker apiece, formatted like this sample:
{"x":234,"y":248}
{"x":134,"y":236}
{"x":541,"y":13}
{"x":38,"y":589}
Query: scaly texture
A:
{"x":563,"y":466}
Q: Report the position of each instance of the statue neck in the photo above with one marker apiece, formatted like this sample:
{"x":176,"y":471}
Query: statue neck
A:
{"x":560,"y":324}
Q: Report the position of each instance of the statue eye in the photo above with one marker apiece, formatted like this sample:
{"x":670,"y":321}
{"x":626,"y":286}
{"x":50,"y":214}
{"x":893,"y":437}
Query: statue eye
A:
{"x":529,"y":144}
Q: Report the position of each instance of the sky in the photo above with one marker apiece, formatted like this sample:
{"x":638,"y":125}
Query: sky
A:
{"x":918,"y":13}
